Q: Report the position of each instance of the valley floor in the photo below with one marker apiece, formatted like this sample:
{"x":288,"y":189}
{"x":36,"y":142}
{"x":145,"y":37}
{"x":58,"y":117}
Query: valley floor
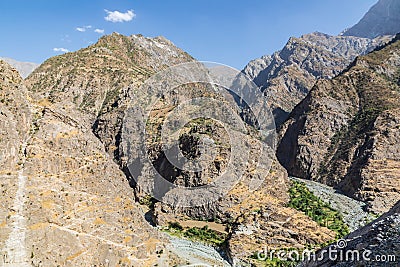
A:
{"x":197,"y":254}
{"x":351,"y":210}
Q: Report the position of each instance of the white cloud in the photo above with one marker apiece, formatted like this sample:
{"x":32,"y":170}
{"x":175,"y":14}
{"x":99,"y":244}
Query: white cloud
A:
{"x":84,"y":28}
{"x":101,"y":31}
{"x":60,"y":49}
{"x":116,"y":16}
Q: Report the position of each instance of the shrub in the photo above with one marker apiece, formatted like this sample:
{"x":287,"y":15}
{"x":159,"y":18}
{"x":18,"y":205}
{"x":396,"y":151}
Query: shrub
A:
{"x":303,"y":200}
{"x":203,"y":234}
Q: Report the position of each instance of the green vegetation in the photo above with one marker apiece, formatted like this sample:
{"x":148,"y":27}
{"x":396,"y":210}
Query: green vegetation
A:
{"x":35,"y":122}
{"x":303,"y":200}
{"x":111,"y":97}
{"x":148,"y":201}
{"x":88,"y":101}
{"x":203,"y":234}
{"x":175,"y":227}
{"x":366,"y":116}
{"x":274,"y":261}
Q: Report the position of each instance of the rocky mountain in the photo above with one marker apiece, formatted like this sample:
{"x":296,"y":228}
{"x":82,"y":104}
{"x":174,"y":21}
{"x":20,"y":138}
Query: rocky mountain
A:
{"x":15,"y":116}
{"x":382,"y":19}
{"x":287,"y":76}
{"x":24,"y":68}
{"x":64,"y":201}
{"x":377,"y":244}
{"x":85,"y":146}
{"x":92,"y":78}
{"x":94,"y":89}
{"x":345,"y":132}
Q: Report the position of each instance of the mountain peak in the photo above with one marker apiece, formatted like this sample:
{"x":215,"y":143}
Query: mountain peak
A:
{"x":382,"y":19}
{"x":289,"y":74}
{"x":104,"y":68}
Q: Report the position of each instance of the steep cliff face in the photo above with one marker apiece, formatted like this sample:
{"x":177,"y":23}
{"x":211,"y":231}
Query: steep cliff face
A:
{"x":79,"y":208}
{"x":64,"y":201}
{"x":382,"y":19}
{"x":377,"y":244}
{"x":13,"y":99}
{"x":287,"y":76}
{"x":14,"y":121}
{"x":344,"y":132}
{"x":95,"y":79}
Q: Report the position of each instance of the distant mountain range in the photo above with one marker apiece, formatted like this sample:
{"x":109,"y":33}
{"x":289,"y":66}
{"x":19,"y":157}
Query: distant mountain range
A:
{"x":287,"y":75}
{"x":382,"y":19}
{"x":24,"y":68}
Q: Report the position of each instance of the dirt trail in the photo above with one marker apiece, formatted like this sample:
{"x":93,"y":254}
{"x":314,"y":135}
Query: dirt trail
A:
{"x":15,"y":253}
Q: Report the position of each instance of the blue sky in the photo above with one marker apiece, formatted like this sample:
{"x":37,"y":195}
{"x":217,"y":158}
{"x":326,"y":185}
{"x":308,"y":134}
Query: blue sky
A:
{"x":228,"y":32}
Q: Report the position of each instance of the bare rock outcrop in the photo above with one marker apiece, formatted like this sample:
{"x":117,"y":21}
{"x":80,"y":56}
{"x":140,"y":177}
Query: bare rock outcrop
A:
{"x":64,"y":201}
{"x":14,"y":126}
{"x":376,"y":244}
{"x":344,"y":132}
{"x":98,"y":83}
{"x":288,"y":75}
